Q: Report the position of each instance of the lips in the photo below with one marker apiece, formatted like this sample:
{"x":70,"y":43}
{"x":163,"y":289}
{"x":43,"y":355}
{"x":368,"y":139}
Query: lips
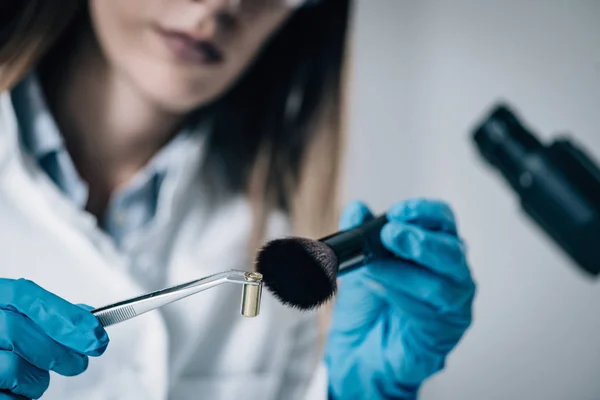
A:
{"x":188,"y":49}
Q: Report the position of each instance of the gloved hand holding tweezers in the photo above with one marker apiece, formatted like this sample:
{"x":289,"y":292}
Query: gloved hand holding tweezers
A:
{"x":41,"y":332}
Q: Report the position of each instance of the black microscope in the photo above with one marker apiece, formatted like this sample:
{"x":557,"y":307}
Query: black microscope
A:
{"x":558,"y":183}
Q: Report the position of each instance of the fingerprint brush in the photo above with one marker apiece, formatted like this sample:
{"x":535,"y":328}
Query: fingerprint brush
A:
{"x":302,"y":272}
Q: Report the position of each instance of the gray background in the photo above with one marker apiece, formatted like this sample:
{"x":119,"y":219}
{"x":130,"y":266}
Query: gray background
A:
{"x":425,"y":71}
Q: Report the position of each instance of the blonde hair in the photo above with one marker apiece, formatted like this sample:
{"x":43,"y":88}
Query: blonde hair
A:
{"x":310,"y":188}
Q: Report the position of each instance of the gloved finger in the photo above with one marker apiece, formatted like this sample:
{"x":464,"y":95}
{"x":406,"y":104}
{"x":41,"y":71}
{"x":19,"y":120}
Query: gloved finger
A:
{"x":431,"y":325}
{"x":21,"y":336}
{"x":21,"y":378}
{"x":429,"y":214}
{"x":99,"y":351}
{"x":398,"y":281}
{"x":355,"y":306}
{"x":420,"y":349}
{"x":64,"y":322}
{"x":354,"y":214}
{"x":6,"y":395}
{"x":442,"y":253}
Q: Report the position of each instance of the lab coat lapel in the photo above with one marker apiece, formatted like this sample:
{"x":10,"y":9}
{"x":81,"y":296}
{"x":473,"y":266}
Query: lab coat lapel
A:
{"x":67,"y":255}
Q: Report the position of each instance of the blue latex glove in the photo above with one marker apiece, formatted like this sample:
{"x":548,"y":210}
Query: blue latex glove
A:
{"x":394,"y":322}
{"x":40,"y":332}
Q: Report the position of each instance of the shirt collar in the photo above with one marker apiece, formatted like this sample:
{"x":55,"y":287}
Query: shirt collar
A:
{"x":39,"y":133}
{"x":41,"y":136}
{"x":42,"y":140}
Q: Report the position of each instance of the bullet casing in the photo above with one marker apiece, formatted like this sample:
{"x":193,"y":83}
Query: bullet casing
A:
{"x":251,"y":295}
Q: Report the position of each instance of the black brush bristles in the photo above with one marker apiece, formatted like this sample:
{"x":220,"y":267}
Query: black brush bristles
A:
{"x":300,"y":272}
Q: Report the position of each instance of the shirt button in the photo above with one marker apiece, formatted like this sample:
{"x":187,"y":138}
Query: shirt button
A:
{"x":119,"y":218}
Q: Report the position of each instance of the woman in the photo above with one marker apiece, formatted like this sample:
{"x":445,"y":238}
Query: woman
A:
{"x":145,"y":143}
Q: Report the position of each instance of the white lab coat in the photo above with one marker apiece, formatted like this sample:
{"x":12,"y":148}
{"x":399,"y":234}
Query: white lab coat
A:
{"x":197,"y":348}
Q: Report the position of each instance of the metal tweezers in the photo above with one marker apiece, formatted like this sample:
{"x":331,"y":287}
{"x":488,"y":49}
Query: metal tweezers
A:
{"x":124,"y":310}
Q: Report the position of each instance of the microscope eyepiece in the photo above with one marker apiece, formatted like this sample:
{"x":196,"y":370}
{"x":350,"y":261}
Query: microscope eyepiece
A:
{"x":505,"y":143}
{"x":558,"y":184}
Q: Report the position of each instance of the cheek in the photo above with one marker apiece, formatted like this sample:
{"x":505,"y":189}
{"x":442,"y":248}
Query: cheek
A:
{"x":126,"y":33}
{"x":120,"y":28}
{"x":118,"y":24}
{"x":254,"y":34}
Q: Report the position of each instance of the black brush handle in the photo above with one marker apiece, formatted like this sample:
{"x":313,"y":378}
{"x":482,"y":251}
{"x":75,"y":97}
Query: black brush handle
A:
{"x":358,"y":246}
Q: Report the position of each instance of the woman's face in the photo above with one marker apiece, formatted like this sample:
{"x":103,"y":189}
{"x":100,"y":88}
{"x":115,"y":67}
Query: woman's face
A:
{"x":182,"y":54}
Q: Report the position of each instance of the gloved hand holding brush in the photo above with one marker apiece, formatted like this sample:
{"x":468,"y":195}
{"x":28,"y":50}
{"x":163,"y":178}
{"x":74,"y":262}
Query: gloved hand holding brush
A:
{"x":395,"y":321}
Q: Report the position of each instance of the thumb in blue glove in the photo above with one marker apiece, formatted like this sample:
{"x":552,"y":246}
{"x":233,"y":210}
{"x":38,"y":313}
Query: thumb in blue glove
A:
{"x":40,"y":332}
{"x":395,"y":320}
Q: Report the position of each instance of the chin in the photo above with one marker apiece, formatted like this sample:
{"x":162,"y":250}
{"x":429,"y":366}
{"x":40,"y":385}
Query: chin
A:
{"x":179,"y":101}
{"x":176,"y":92}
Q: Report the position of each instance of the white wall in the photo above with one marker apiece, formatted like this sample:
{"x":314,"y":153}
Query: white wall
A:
{"x":425,"y":71}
